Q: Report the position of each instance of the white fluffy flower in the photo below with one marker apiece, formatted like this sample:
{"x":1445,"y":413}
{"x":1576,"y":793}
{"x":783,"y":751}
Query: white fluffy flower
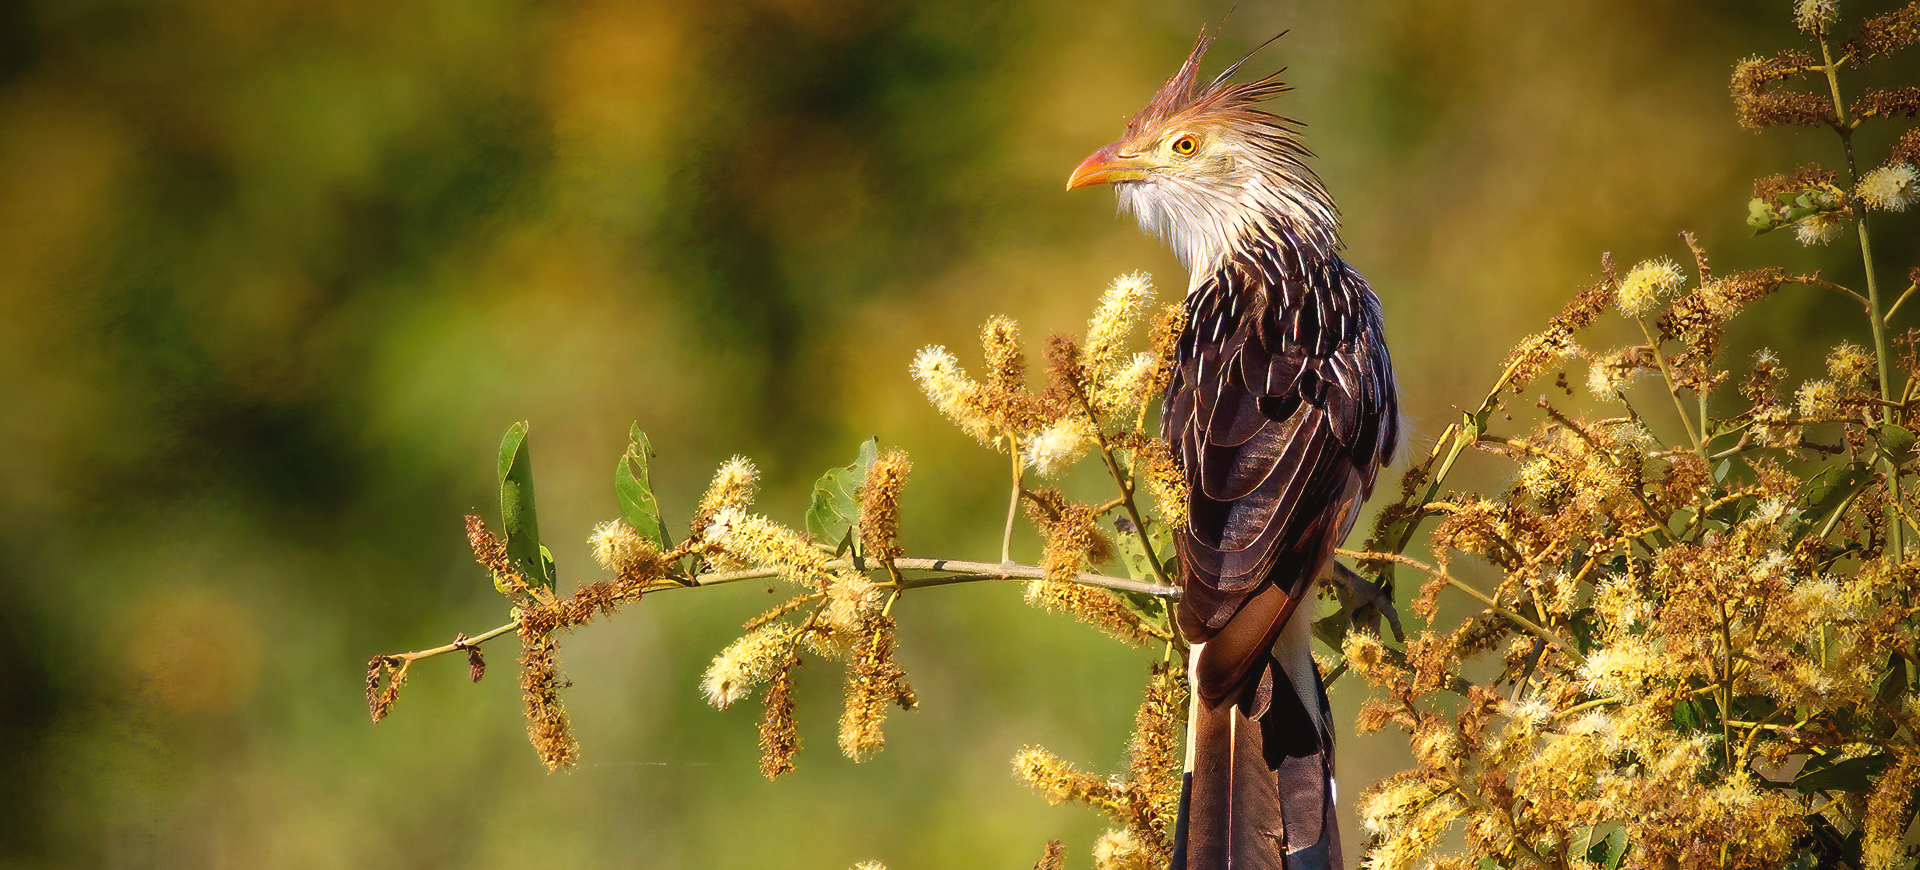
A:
{"x":1819,"y":229}
{"x":1890,"y":188}
{"x":1813,"y":17}
{"x":1646,"y":284}
{"x":1058,"y":445}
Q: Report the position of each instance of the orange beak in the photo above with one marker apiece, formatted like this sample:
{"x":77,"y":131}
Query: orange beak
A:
{"x":1108,"y":166}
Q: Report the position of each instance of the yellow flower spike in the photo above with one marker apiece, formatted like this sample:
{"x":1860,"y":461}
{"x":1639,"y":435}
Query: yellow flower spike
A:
{"x":1646,"y":285}
{"x":1119,"y":849}
{"x":956,"y":396}
{"x":1113,"y":322}
{"x":618,"y":548}
{"x":734,"y":486}
{"x":747,"y":662}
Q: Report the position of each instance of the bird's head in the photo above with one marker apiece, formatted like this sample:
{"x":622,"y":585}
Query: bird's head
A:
{"x":1202,"y":166}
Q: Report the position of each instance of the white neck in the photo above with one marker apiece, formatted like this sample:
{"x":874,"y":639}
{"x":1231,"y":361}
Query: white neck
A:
{"x":1203,"y":225}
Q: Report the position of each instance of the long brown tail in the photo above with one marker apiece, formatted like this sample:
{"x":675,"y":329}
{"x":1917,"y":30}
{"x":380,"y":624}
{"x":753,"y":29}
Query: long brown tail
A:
{"x":1259,"y":790}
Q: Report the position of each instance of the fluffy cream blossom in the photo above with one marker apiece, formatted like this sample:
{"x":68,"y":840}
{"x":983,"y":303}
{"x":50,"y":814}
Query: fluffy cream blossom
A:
{"x":1813,"y":17}
{"x":745,"y":663}
{"x":734,"y":487}
{"x":1622,"y":667}
{"x":1818,"y":399}
{"x":1819,"y":229}
{"x":1646,"y":285}
{"x":1119,"y":849}
{"x":1890,"y":188}
{"x":960,"y":398}
{"x":1113,"y":321}
{"x":617,"y":547}
{"x":1058,"y":445}
{"x":1849,"y":363}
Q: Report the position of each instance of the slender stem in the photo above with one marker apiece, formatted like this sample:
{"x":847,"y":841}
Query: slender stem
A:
{"x":958,"y":571}
{"x":1899,"y":302}
{"x":1726,"y":685}
{"x":1753,"y":732}
{"x":1762,"y":725}
{"x":1454,"y":441}
{"x":1673,"y":386}
{"x":1125,"y":483}
{"x":1013,"y":501}
{"x":1882,"y":354}
{"x":1842,"y":124}
{"x":1818,"y":284}
{"x":1587,"y":705}
{"x":1901,"y":509}
{"x":456,"y":646}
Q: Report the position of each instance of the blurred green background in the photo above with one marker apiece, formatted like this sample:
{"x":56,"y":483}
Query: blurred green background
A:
{"x":275,"y":276}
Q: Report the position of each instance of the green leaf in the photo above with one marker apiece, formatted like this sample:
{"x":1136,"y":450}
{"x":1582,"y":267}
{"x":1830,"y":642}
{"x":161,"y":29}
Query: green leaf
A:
{"x":518,"y":519}
{"x":1151,"y":609}
{"x":1853,"y":774}
{"x":1610,"y":851}
{"x":1789,"y":207}
{"x":1897,"y":441}
{"x":1827,"y":491}
{"x":1687,"y":716}
{"x":1332,"y":629}
{"x":1585,"y":623}
{"x":1133,"y":554}
{"x":635,"y":490}
{"x":1894,"y":684}
{"x":1162,"y":539}
{"x":836,"y":499}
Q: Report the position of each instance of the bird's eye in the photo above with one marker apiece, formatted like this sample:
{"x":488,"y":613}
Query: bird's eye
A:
{"x":1184,"y":145}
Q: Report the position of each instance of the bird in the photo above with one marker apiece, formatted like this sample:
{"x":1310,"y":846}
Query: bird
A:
{"x":1280,"y":411}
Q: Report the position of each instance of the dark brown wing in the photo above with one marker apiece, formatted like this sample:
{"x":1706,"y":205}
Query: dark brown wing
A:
{"x":1280,"y":412}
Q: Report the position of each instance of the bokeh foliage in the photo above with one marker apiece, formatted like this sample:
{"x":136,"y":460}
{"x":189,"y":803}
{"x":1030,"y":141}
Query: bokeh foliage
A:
{"x":274,"y":276}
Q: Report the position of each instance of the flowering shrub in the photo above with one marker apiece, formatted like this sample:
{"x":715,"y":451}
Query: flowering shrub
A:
{"x":1692,"y":641}
{"x":1699,"y":622}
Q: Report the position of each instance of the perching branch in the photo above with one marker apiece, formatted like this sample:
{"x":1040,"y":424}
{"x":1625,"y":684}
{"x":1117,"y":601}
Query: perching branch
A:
{"x":944,"y":572}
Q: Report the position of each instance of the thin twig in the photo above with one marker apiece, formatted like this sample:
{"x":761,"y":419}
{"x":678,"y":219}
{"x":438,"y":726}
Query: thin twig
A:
{"x":959,"y":571}
{"x":1882,"y":354}
{"x":1013,"y":500}
{"x":1673,"y":385}
{"x":948,"y":572}
{"x":457,"y":646}
{"x":1816,"y":283}
{"x":1125,"y":483}
{"x":1899,"y":302}
{"x":1531,"y":627}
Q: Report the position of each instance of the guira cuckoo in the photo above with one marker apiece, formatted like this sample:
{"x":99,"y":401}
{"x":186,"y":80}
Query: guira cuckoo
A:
{"x":1280,"y":411}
